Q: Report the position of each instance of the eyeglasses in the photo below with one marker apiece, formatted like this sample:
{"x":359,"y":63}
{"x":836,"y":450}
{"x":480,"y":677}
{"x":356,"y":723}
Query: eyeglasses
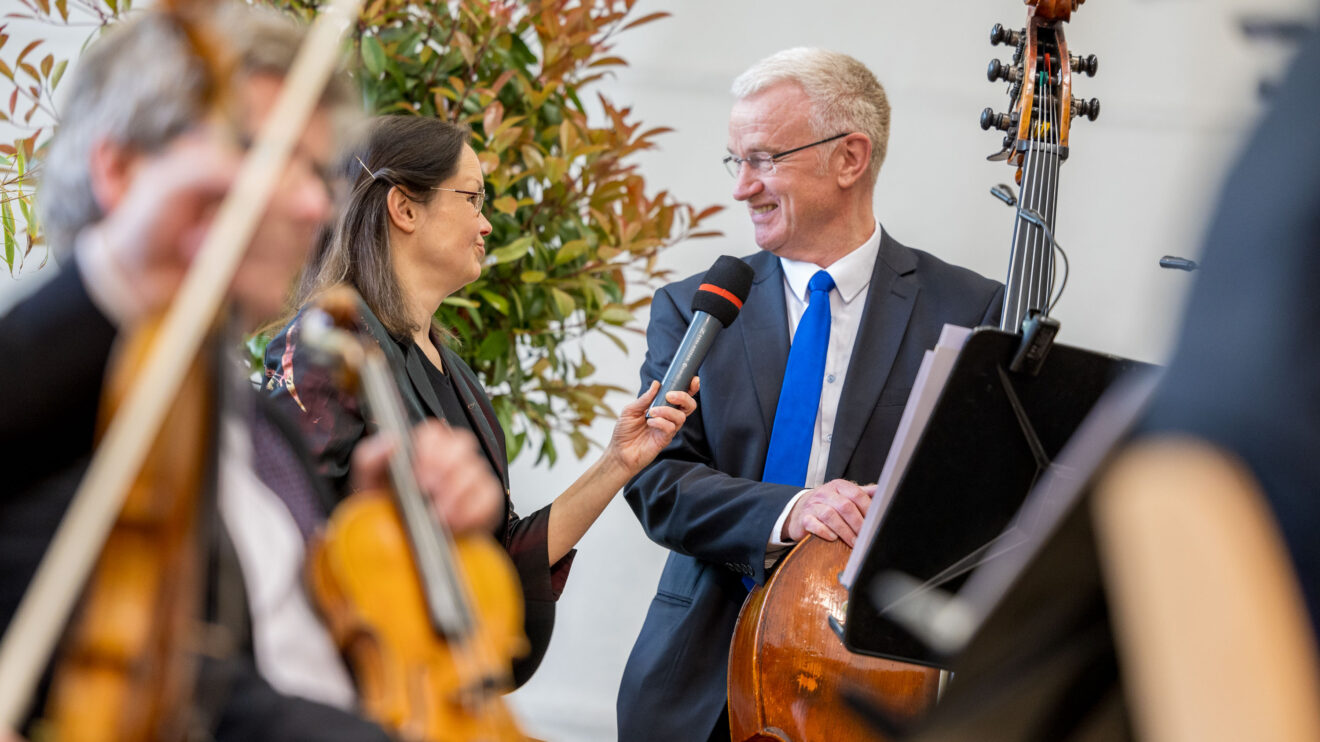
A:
{"x":476,"y":198}
{"x":764,"y":162}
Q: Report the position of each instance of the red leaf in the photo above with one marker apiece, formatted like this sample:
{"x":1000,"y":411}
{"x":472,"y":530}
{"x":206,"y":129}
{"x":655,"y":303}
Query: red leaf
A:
{"x":26,"y":49}
{"x":646,"y":19}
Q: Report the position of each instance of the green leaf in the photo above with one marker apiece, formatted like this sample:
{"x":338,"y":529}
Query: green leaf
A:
{"x":616,"y":315}
{"x":500,"y":304}
{"x":513,"y":251}
{"x":571,"y":251}
{"x":494,"y":345}
{"x":58,"y":73}
{"x":580,"y":443}
{"x":458,"y":301}
{"x":373,"y":55}
{"x":532,"y":276}
{"x":516,"y":444}
{"x":565,"y":303}
{"x":11,"y":239}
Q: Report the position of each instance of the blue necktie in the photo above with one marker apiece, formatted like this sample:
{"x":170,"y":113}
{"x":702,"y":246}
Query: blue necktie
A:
{"x":799,"y":397}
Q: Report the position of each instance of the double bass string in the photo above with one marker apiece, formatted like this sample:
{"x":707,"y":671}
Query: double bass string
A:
{"x":1052,"y":192}
{"x":1034,"y":269}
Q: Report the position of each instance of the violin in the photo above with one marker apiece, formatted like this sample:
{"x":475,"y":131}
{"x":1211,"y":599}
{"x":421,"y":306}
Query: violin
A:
{"x":788,"y":667}
{"x":429,"y":622}
{"x":128,"y":540}
{"x":119,"y":675}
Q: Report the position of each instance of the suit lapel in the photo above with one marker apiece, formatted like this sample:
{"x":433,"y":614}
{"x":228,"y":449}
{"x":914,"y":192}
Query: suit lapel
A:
{"x":421,"y":382}
{"x":479,"y":414}
{"x":409,"y":374}
{"x":889,"y":302}
{"x":764,"y":327}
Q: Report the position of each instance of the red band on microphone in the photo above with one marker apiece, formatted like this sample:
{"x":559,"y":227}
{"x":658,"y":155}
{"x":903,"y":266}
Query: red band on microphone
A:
{"x":712,"y":288}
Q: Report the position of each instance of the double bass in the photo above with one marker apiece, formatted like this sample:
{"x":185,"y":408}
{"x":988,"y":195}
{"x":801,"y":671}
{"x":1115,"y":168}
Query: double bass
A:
{"x":788,"y":667}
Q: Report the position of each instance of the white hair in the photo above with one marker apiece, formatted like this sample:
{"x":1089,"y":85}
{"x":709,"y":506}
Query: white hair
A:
{"x":845,"y":96}
{"x":140,"y":86}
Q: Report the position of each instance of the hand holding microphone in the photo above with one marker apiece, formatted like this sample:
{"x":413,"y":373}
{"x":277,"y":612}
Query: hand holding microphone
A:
{"x":715,"y":306}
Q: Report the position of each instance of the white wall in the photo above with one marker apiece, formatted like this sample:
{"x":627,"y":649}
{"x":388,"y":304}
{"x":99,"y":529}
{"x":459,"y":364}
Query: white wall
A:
{"x":1177,"y":84}
{"x":1178,"y":87}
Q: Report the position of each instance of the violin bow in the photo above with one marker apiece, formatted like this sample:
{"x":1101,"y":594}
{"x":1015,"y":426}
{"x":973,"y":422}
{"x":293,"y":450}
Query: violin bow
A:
{"x":49,"y":601}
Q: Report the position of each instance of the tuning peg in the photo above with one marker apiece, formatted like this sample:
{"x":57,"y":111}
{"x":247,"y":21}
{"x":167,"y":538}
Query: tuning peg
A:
{"x":1090,"y":109}
{"x":991,"y":120}
{"x":1001,"y":35}
{"x":1000,"y":71}
{"x":1088,"y":64}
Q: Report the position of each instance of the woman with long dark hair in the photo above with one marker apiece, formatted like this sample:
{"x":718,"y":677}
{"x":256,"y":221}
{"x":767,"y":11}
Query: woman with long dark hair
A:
{"x":410,"y":234}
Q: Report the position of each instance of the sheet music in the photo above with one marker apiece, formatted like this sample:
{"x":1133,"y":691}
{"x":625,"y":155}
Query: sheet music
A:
{"x":931,"y":377}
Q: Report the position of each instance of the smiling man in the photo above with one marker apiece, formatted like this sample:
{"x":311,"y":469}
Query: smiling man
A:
{"x":801,"y":395}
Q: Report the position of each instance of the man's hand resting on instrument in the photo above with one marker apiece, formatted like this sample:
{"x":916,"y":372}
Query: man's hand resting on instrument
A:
{"x":835,"y":510}
{"x":450,"y":469}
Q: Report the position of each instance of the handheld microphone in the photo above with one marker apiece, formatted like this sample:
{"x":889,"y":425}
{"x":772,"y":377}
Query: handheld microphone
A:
{"x":715,"y":306}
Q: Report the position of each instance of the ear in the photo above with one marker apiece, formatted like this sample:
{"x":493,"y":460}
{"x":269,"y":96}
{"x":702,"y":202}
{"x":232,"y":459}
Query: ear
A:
{"x":111,"y":168}
{"x":855,"y":151}
{"x":403,"y":210}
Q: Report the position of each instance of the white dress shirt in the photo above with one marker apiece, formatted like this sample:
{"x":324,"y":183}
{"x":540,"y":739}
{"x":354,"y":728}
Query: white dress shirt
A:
{"x":294,"y":651}
{"x":852,"y":282}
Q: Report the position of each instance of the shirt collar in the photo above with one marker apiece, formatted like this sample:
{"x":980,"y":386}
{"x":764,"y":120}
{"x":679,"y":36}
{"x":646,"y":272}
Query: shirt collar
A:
{"x":851,"y":273}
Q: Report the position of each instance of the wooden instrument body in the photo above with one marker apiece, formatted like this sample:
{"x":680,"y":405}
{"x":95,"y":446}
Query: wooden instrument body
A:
{"x":410,"y":678}
{"x":787,"y":667}
{"x":120,"y":674}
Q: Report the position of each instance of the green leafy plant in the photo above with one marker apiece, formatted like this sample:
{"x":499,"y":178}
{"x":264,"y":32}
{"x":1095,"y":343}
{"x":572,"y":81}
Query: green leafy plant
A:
{"x":575,"y":226}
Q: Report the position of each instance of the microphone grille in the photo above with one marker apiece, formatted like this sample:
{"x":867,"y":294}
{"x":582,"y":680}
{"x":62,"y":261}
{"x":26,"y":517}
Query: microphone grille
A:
{"x":723,"y":289}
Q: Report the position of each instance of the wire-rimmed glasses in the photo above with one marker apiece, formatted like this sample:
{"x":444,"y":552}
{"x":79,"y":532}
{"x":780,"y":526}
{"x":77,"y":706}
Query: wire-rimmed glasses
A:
{"x":764,"y":162}
{"x":476,"y":198}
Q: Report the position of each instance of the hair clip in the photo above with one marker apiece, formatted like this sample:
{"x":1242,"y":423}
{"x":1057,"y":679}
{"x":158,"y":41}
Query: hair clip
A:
{"x":364,"y":167}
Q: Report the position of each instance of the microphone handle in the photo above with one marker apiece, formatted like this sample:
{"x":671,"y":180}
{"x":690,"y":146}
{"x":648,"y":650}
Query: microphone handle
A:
{"x":691,"y":352}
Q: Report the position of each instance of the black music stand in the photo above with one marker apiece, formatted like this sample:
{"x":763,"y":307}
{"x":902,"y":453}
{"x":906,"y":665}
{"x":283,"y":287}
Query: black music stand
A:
{"x":990,"y":437}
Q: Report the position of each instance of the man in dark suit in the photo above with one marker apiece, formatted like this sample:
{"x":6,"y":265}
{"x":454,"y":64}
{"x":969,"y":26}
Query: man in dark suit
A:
{"x":801,"y":395}
{"x":130,"y":184}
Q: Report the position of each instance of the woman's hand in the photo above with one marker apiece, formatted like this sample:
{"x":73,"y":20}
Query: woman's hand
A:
{"x":637,"y":439}
{"x":450,"y":469}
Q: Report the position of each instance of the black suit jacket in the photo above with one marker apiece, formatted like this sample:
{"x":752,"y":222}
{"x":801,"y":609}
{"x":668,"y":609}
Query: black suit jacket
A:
{"x":1246,"y":374}
{"x":703,"y":499}
{"x":58,"y":344}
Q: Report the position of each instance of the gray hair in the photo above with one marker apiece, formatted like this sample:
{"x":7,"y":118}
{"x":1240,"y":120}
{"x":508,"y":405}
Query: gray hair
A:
{"x":140,"y":86}
{"x":845,"y":96}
